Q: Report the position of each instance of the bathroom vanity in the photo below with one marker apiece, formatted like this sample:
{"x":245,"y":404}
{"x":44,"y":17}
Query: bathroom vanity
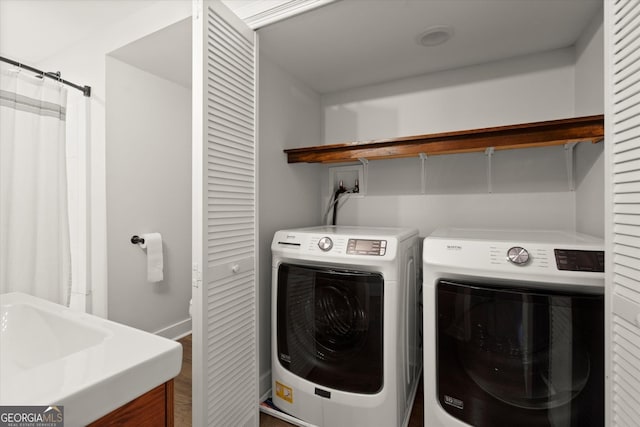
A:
{"x":154,"y":408}
{"x":95,"y":368}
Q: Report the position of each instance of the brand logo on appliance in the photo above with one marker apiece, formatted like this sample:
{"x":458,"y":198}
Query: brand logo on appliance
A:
{"x":454,"y":247}
{"x":452,"y":401}
{"x":285,"y":358}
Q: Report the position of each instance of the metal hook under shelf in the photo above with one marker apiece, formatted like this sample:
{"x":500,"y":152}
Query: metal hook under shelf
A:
{"x":137,"y":240}
{"x":489,"y":153}
{"x":423,"y":173}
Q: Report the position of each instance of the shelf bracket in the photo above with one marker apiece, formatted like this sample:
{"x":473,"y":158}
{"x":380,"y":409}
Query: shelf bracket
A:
{"x":569,"y":149}
{"x":489,"y":153}
{"x":365,"y":175}
{"x":423,"y":172}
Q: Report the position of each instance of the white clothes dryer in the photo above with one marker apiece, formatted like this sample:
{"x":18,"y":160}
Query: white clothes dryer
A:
{"x":346,"y":325}
{"x":514,"y":328}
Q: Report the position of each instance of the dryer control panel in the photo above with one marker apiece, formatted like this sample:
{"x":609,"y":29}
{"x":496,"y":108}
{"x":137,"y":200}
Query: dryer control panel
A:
{"x":579,"y":260}
{"x":562,"y":258}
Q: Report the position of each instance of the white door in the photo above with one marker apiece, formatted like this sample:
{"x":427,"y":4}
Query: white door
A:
{"x":225,"y":387}
{"x":622,"y":114}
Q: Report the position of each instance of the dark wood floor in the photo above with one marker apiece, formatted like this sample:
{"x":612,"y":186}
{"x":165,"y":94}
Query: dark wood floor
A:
{"x":182,"y":387}
{"x":182,"y":397}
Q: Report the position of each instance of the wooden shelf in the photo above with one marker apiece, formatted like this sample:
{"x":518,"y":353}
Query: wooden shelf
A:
{"x":539,"y":134}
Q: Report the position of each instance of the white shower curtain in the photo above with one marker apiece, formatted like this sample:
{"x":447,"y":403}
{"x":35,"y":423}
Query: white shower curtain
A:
{"x":34,"y":225}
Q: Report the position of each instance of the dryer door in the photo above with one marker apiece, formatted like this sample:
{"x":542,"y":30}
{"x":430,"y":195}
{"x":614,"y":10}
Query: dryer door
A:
{"x":519,"y":356}
{"x":329,"y":326}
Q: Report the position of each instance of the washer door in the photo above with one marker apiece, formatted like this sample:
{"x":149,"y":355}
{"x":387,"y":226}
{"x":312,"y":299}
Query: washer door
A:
{"x":329,"y":326}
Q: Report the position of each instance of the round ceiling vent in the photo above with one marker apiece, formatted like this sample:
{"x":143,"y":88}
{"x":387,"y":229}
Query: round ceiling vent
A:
{"x":435,"y":36}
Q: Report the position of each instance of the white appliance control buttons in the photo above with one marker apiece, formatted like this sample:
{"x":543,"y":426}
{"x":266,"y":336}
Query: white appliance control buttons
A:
{"x":518,"y":255}
{"x":325,"y":244}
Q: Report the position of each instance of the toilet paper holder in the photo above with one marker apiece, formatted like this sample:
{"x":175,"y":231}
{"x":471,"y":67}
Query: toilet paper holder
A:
{"x":137,"y":240}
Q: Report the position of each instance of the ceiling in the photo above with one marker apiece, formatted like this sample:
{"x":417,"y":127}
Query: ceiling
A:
{"x":33,"y":30}
{"x":166,"y":53}
{"x":358,"y":42}
{"x":345,"y":44}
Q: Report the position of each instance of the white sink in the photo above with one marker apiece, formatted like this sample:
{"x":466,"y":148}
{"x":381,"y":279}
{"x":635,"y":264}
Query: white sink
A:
{"x":51,"y":355}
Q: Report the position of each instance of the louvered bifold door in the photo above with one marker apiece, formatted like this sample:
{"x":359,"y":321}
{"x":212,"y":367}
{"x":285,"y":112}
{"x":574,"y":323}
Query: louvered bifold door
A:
{"x":224,"y":272}
{"x":623,"y":241}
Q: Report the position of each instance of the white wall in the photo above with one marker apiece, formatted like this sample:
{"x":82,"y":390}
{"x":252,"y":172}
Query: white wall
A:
{"x":426,"y":213}
{"x":589,"y":69}
{"x":148,"y":170}
{"x":590,"y":157}
{"x":289,"y":116}
{"x":85,"y":63}
{"x":528,"y":88}
{"x":530,"y":186}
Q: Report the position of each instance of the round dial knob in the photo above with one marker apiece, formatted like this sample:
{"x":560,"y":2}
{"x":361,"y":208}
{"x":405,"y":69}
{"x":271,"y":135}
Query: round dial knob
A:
{"x":325,"y":244}
{"x":518,"y":255}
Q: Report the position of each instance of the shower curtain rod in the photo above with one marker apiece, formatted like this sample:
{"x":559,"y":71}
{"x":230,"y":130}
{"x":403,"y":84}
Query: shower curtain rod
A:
{"x":86,"y":90}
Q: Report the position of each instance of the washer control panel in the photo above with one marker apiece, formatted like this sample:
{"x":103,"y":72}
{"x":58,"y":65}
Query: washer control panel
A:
{"x":366,"y":247}
{"x":335,"y":244}
{"x":325,"y":243}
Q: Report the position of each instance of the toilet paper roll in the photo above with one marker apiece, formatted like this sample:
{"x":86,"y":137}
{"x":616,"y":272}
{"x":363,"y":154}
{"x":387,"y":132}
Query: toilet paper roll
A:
{"x":153,"y":245}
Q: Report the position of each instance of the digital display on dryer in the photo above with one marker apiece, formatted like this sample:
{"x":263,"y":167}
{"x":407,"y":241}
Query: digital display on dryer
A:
{"x":366,"y":247}
{"x":575,"y":260}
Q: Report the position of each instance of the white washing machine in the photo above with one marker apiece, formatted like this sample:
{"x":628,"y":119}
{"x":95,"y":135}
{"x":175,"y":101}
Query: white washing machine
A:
{"x":514,"y":328}
{"x":346,"y":325}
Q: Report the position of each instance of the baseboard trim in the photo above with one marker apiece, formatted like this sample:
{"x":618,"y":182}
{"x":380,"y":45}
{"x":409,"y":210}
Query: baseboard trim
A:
{"x":176,"y":331}
{"x":264,"y":386}
{"x":265,"y":396}
{"x":285,"y":417}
